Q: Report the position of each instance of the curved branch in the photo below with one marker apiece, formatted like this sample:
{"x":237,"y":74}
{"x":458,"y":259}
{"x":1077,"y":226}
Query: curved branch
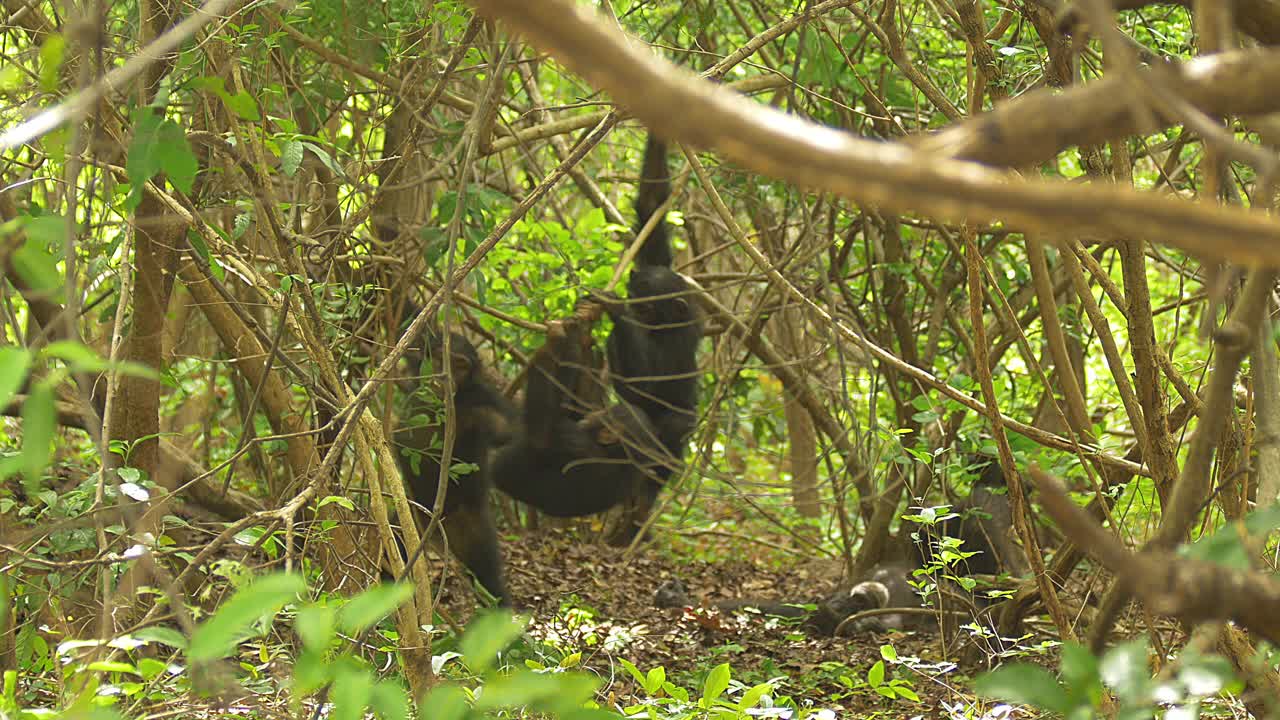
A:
{"x":892,"y":176}
{"x":80,"y":103}
{"x":1042,"y":123}
{"x":1187,"y":588}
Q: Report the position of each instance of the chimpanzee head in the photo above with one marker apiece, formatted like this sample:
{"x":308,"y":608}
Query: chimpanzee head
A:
{"x":666,"y":313}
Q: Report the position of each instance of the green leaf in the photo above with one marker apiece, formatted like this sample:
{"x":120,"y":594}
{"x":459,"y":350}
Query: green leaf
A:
{"x":875,"y":676}
{"x":78,"y":356}
{"x":39,"y":422}
{"x":150,"y":668}
{"x":339,"y":500}
{"x":325,"y":158}
{"x":589,"y":714}
{"x":445,"y":702}
{"x":655,"y":680}
{"x":752,"y":697}
{"x":907,"y":693}
{"x":315,"y":625}
{"x":351,"y":692}
{"x":32,"y":262}
{"x":143,"y":161}
{"x":1124,"y":668}
{"x":112,"y":666}
{"x":175,"y":156}
{"x":518,"y":690}
{"x":1024,"y":684}
{"x":488,"y":635}
{"x":389,"y":701}
{"x":242,"y":104}
{"x":369,"y":607}
{"x":128,"y":367}
{"x":1263,"y":520}
{"x":163,"y":635}
{"x":716,"y":683}
{"x":310,"y":672}
{"x":291,"y":153}
{"x":14,"y":363}
{"x":634,"y":672}
{"x":233,"y":621}
{"x":51,"y":53}
{"x":1080,"y":673}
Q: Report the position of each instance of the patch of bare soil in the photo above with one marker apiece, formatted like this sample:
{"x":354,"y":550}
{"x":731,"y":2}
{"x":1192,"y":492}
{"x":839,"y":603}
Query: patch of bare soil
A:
{"x":594,"y":599}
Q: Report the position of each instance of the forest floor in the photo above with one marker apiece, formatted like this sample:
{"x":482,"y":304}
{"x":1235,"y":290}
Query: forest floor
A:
{"x":590,"y":599}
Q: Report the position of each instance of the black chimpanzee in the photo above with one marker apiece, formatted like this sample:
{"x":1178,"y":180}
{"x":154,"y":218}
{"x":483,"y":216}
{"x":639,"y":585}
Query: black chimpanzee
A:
{"x":484,"y":420}
{"x":886,"y":586}
{"x":984,"y":521}
{"x":569,"y":459}
{"x":652,"y":349}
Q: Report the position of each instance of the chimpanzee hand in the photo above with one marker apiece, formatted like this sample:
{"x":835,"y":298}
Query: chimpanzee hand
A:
{"x":595,"y":303}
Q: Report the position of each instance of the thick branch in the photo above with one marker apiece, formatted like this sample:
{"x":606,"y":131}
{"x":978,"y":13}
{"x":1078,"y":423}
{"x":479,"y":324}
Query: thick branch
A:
{"x":1042,"y":123}
{"x":1189,"y":589}
{"x":889,"y":175}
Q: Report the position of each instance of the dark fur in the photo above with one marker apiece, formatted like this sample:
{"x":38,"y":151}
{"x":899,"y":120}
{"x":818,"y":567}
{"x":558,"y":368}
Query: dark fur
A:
{"x":885,"y":586}
{"x":654,"y":343}
{"x":653,"y":347}
{"x":571,"y":460}
{"x":484,"y":420}
{"x":985,"y":523}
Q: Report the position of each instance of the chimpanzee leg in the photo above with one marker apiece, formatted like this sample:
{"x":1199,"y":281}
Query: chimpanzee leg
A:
{"x":474,"y":541}
{"x":636,"y":511}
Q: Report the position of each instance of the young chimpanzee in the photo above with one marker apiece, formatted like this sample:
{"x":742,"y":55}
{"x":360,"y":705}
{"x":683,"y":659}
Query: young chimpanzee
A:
{"x":886,"y":586}
{"x":484,"y":420}
{"x":653,"y":346}
{"x":571,"y":460}
{"x":652,"y":349}
{"x":984,"y":521}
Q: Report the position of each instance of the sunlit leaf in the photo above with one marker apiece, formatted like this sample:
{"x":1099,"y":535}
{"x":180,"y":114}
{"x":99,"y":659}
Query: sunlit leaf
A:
{"x":232,"y":622}
{"x":1024,"y":684}
{"x":716,"y":683}
{"x":291,"y":153}
{"x":1124,"y":668}
{"x":389,"y":701}
{"x":39,"y":423}
{"x":14,"y":363}
{"x":78,"y":356}
{"x":351,"y":691}
{"x":315,"y":625}
{"x":32,"y":261}
{"x":369,"y":607}
{"x":52,"y":50}
{"x":486,"y":636}
{"x":445,"y":702}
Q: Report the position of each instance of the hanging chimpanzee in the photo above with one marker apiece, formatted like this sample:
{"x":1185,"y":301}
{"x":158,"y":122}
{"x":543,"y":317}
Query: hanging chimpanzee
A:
{"x":569,"y":459}
{"x":652,"y":349}
{"x":484,"y":420}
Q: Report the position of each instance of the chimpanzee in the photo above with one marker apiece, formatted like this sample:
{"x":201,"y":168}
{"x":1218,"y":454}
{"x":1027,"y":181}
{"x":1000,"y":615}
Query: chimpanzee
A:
{"x":886,"y":586}
{"x":484,"y":420}
{"x":652,"y":349}
{"x":569,"y":459}
{"x":984,"y":522}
